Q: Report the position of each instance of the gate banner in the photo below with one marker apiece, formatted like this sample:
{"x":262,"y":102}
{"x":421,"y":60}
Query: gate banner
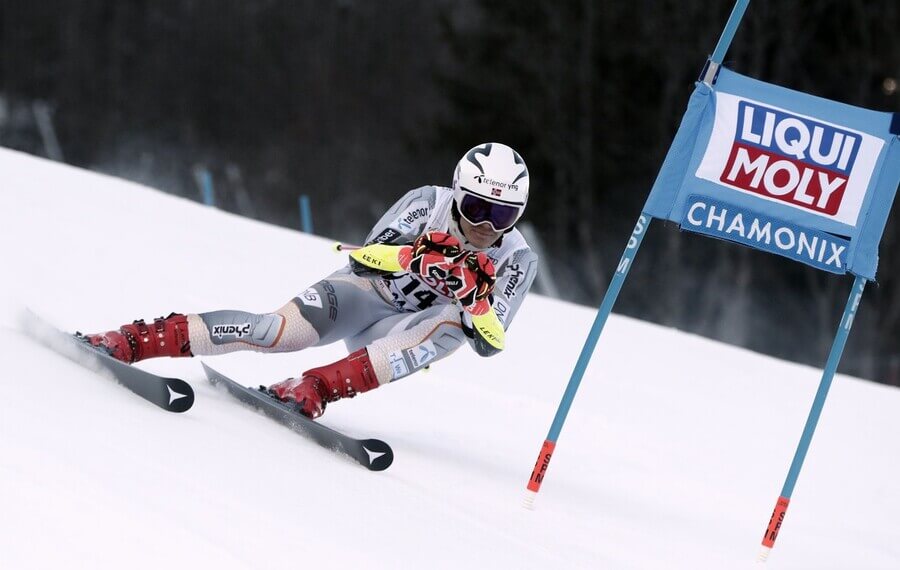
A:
{"x":782,"y":171}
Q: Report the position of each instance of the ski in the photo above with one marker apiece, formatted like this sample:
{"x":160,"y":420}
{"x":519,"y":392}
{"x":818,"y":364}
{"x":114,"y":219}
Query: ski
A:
{"x":373,"y":454}
{"x":170,"y":394}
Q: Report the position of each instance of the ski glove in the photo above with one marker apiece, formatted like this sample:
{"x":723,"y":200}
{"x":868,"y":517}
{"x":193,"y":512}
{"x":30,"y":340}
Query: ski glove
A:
{"x":472,"y":282}
{"x":469,"y":276}
{"x":434,"y":254}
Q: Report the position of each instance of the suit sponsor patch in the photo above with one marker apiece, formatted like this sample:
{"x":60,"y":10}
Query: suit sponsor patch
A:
{"x":239,"y":330}
{"x":387,"y":235}
{"x":399,"y":368}
{"x":422,"y":354}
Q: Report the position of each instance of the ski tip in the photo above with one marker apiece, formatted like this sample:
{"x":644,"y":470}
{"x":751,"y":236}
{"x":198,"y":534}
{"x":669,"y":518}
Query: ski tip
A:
{"x":181,"y":395}
{"x":380,"y":454}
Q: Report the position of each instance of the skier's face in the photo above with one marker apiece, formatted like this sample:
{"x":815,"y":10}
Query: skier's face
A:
{"x":481,"y":235}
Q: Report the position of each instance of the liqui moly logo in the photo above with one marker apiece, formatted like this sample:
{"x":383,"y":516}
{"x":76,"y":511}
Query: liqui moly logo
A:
{"x":810,"y":164}
{"x":798,"y":160}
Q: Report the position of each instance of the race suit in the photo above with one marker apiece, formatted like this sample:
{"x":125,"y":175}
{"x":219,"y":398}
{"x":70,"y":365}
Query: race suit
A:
{"x":405,"y":321}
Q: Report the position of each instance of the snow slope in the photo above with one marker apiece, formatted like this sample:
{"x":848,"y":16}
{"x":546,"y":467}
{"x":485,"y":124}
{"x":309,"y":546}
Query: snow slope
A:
{"x":672,"y":457}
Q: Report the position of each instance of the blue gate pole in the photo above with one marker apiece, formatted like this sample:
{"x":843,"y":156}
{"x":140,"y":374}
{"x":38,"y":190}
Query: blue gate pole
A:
{"x":834,"y":357}
{"x":205,"y":182}
{"x":715,"y":60}
{"x":609,"y":299}
{"x":731,"y":26}
{"x":305,"y":214}
{"x":208,"y":193}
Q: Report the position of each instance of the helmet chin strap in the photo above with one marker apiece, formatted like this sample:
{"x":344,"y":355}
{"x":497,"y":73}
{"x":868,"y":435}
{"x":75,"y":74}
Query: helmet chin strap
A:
{"x":457,"y":232}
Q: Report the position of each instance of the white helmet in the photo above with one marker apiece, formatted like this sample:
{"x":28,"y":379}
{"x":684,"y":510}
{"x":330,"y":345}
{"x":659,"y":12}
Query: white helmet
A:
{"x":490,"y":186}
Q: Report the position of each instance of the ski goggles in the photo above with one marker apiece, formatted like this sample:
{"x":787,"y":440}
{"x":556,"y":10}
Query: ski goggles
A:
{"x":477,"y":210}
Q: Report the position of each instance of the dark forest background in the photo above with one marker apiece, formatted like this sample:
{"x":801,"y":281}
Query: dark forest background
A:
{"x":353,"y":102}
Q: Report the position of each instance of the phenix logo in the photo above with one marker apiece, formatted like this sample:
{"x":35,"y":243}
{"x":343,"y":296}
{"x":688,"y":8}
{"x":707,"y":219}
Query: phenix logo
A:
{"x":516,"y":274}
{"x":239,"y":331}
{"x":790,"y":158}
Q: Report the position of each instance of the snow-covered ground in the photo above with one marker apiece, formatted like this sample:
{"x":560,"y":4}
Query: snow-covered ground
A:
{"x":672,"y":457}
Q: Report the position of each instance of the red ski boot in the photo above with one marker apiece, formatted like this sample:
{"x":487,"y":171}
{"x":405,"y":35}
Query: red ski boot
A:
{"x":343,"y":379}
{"x":137,"y":341}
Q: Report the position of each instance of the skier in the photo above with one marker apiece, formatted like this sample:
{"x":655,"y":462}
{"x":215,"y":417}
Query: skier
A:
{"x":424,"y":284}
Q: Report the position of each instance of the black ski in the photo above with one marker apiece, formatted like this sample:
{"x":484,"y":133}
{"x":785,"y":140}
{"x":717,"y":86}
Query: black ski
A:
{"x":372,"y":454}
{"x":170,"y":394}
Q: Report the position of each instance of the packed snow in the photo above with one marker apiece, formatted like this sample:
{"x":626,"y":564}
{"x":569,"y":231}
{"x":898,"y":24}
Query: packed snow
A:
{"x":673,"y":454}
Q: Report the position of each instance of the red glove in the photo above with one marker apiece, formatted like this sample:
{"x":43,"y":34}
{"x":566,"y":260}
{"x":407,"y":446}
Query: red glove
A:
{"x":472,"y":282}
{"x":433,"y":254}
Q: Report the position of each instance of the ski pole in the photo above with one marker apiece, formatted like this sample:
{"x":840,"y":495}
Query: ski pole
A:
{"x":339,"y":247}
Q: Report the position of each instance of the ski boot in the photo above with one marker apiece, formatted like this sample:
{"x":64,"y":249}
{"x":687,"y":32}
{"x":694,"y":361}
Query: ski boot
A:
{"x":342,"y":379}
{"x":138,"y":341}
